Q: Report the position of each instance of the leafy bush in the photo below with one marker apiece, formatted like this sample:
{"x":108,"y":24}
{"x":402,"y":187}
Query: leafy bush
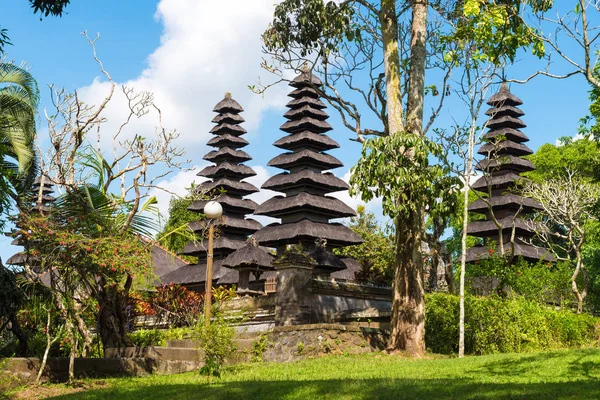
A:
{"x":159,"y":337}
{"x":496,"y":325}
{"x":148,"y":337}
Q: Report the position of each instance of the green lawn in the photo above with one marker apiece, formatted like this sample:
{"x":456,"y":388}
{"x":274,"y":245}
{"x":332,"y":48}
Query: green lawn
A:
{"x":571,"y":374}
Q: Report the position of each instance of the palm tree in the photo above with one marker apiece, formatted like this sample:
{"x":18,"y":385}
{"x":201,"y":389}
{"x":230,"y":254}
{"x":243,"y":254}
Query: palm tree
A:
{"x":19,"y":97}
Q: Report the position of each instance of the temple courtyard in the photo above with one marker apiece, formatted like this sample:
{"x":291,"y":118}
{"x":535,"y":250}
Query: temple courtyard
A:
{"x":568,"y":374}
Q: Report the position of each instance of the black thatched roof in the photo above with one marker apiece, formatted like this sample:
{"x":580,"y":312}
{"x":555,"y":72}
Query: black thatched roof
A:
{"x":242,"y":225}
{"x":305,"y":157}
{"x":505,"y":201}
{"x":19,"y":259}
{"x":228,"y":105}
{"x":227,"y":140}
{"x":227,"y":154}
{"x":506,"y":161}
{"x":503,"y":147}
{"x":221,"y":244}
{"x":509,"y":133}
{"x":527,"y":251}
{"x":326,"y":182}
{"x":279,"y":206}
{"x":502,"y":169}
{"x":503,"y":181}
{"x":337,"y":235}
{"x":305,"y":139}
{"x":505,"y":110}
{"x":326,"y":260}
{"x":230,"y":186}
{"x":306,"y":78}
{"x":306,"y":111}
{"x":229,"y":203}
{"x":249,"y":257}
{"x":164,"y":261}
{"x":222,"y":129}
{"x":353,"y":268}
{"x":489,"y":228}
{"x":304,"y":91}
{"x":228,"y":118}
{"x":504,"y":97}
{"x":303,"y":101}
{"x":194,"y":274}
{"x":238,"y":171}
{"x":505,"y":121}
{"x":306,"y":123}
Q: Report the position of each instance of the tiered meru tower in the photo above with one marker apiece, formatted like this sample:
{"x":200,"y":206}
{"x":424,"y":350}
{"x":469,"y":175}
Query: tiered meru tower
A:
{"x":41,"y":199}
{"x":500,"y":183}
{"x":305,"y":210}
{"x":226,"y":186}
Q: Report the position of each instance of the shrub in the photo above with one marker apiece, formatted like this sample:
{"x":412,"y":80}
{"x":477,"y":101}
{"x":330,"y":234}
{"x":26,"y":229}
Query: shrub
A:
{"x":259,"y":346}
{"x":148,"y":337}
{"x":497,"y":325}
{"x":217,"y":342}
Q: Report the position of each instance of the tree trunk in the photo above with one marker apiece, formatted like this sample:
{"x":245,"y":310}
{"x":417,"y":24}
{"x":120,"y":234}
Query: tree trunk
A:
{"x":111,"y":324}
{"x":418,"y":59}
{"x":408,"y":303}
{"x":463,"y":239}
{"x":391,"y":61}
{"x":579,"y":294}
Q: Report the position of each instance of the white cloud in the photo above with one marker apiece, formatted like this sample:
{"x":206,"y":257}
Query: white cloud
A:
{"x":207,"y":48}
{"x":354,"y":201}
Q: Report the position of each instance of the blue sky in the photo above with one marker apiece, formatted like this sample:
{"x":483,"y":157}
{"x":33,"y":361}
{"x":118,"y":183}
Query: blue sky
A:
{"x":190,"y":52}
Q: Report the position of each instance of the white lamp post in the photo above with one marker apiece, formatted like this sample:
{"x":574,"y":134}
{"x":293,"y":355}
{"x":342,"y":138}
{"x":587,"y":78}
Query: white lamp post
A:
{"x":212,"y":211}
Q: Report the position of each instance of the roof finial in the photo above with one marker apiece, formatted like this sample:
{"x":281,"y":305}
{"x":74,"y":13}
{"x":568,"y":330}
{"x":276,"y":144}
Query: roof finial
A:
{"x":228,"y":95}
{"x":252,"y":241}
{"x":305,"y":67}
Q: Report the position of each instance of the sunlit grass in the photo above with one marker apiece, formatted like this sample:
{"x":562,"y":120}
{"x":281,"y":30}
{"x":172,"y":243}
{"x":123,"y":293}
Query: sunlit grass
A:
{"x":571,"y":374}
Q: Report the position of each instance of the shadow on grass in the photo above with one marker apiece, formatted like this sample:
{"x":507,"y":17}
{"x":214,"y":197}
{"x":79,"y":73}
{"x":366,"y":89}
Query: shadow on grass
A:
{"x":567,"y":365}
{"x":353,"y":389}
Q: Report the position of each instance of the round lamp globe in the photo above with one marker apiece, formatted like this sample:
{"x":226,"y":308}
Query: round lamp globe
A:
{"x":213,"y":210}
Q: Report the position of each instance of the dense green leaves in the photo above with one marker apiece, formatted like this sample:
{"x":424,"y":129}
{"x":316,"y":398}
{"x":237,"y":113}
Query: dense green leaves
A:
{"x":397,"y":168}
{"x":376,"y":254}
{"x":498,"y":29}
{"x":310,"y":25}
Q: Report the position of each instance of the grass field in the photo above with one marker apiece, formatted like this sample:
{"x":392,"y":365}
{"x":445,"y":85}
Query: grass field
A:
{"x":573,"y":374}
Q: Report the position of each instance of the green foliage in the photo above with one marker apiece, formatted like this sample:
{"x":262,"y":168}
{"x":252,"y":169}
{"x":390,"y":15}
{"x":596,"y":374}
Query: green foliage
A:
{"x":299,"y":348}
{"x":148,"y":337}
{"x":259,"y":346}
{"x":216,"y":338}
{"x":581,"y":156}
{"x":557,"y":375}
{"x":217,"y":342}
{"x":19,"y":97}
{"x":176,"y":234}
{"x":159,"y":337}
{"x":310,"y":26}
{"x":376,"y":254}
{"x":496,"y":325}
{"x":497,"y":29}
{"x":397,"y":168}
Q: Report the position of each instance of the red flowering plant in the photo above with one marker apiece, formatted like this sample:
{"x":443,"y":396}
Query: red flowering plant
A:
{"x":95,"y":266}
{"x":176,"y":305}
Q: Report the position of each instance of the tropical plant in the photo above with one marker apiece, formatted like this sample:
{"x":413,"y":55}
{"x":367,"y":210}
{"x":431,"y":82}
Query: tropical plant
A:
{"x":19,"y":96}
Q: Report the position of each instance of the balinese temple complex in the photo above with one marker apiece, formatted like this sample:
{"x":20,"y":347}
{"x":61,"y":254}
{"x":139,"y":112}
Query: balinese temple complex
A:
{"x":305,"y":209}
{"x":502,"y":167}
{"x":227,"y":187}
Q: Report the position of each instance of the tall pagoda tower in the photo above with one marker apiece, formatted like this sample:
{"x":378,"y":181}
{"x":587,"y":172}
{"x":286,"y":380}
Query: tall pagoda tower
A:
{"x":226,"y":183}
{"x":502,"y":168}
{"x":42,"y":196}
{"x":305,"y":209}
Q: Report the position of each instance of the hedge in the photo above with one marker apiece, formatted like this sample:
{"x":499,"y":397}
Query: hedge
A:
{"x":498,"y":325}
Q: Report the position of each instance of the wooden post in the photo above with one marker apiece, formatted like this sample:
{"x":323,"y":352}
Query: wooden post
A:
{"x":208,"y":283}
